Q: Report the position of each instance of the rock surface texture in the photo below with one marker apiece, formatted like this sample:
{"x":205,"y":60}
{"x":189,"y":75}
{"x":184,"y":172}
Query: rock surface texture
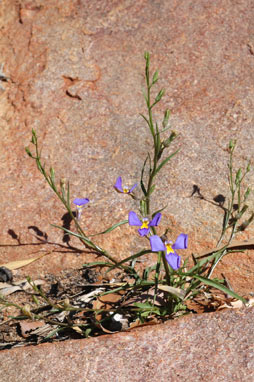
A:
{"x":206,"y":347}
{"x":75,"y":75}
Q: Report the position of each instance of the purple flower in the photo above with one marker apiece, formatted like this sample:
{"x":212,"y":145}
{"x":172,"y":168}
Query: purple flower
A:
{"x":80,"y":203}
{"x":169,"y":247}
{"x":120,"y":188}
{"x":144,"y":224}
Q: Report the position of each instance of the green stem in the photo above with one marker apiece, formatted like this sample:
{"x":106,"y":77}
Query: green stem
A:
{"x":66,"y":203}
{"x":166,"y":268}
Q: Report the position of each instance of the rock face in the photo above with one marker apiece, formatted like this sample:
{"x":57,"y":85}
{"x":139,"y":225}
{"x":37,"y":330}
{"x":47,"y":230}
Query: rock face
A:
{"x":195,"y":349}
{"x":75,"y":74}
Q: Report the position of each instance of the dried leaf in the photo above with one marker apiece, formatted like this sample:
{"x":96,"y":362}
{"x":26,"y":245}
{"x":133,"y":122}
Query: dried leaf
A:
{"x":22,"y":263}
{"x":237,"y":304}
{"x":138,"y":323}
{"x":89,"y":296}
{"x":27,"y":327}
{"x":106,"y":330}
{"x":106,"y":302}
{"x":7,"y":289}
{"x":111,"y":298}
{"x":77,"y":329}
{"x":196,"y":306}
{"x":176,"y":291}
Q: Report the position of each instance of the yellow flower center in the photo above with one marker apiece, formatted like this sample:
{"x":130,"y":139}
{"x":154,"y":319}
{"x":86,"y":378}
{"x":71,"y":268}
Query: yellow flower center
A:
{"x":169,"y":248}
{"x":125,"y":190}
{"x":145,"y":223}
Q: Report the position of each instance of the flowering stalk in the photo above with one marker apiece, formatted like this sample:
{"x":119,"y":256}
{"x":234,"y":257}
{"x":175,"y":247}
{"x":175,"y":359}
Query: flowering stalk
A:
{"x":158,"y":145}
{"x":64,"y":196}
{"x":236,"y":206}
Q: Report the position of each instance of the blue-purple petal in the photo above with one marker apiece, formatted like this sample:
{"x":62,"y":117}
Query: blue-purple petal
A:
{"x":80,"y":201}
{"x":173,"y":260}
{"x":133,"y":219}
{"x":132,"y":188}
{"x":156,"y":219}
{"x":156,"y":243}
{"x":143,"y":231}
{"x":118,"y":184}
{"x":181,"y":242}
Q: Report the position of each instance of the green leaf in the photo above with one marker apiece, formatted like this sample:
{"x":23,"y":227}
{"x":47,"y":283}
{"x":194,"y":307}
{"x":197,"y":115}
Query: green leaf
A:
{"x":246,"y":195}
{"x":170,"y":139}
{"x":166,"y":118}
{"x":29,"y":152}
{"x":84,"y":238}
{"x":155,"y":77}
{"x":245,"y":224}
{"x":148,"y":270}
{"x":52,"y":174}
{"x":34,"y":137}
{"x":144,"y":305}
{"x":165,"y":161}
{"x":68,"y":195}
{"x":146,"y":99}
{"x":199,"y":263}
{"x":132,"y":257}
{"x":143,"y":116}
{"x":143,"y":187}
{"x":240,"y":214}
{"x":158,"y":138}
{"x":152,"y":189}
{"x":232,"y":144}
{"x":142,"y":175}
{"x":219,"y":286}
{"x":159,"y":95}
{"x":95,"y":263}
{"x":111,"y":228}
{"x":238,"y":176}
{"x":147,"y":56}
{"x":160,"y":210}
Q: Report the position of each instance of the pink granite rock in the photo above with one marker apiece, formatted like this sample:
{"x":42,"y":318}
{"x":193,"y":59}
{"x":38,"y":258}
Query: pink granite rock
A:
{"x":75,"y":73}
{"x":210,"y":347}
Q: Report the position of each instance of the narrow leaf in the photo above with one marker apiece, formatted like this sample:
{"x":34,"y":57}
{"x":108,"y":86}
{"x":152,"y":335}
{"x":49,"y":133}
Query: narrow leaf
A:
{"x":52,"y":174}
{"x":234,"y":244}
{"x":96,"y":263}
{"x":84,"y":238}
{"x":132,"y":257}
{"x":219,"y":286}
{"x":155,"y":77}
{"x":160,"y":210}
{"x":144,"y":305}
{"x":142,"y":115}
{"x":165,"y":161}
{"x":159,"y":95}
{"x":111,"y":228}
{"x":166,"y":118}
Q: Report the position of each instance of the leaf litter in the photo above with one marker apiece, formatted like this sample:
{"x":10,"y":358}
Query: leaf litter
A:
{"x":80,"y":303}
